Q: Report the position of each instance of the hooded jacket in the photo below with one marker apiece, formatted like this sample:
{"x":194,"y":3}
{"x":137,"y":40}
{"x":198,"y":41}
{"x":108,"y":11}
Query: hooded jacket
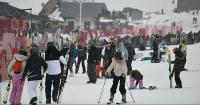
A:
{"x":119,"y":68}
{"x":17,"y":57}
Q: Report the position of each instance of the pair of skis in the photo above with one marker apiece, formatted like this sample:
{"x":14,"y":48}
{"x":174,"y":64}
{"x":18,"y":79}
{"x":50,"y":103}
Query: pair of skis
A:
{"x":63,"y":80}
{"x":41,"y":87}
{"x":117,"y":103}
{"x":8,"y":87}
{"x":170,"y":71}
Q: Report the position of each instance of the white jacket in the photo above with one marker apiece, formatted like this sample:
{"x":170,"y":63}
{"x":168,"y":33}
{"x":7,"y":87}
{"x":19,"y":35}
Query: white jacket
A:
{"x":119,"y":68}
{"x":54,"y":66}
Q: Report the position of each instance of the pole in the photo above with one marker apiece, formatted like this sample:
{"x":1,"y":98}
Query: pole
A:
{"x":80,"y":14}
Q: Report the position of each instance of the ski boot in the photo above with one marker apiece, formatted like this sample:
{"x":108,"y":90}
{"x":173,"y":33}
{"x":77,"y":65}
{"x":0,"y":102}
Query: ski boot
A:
{"x":111,"y":98}
{"x":124,"y":98}
{"x":33,"y":101}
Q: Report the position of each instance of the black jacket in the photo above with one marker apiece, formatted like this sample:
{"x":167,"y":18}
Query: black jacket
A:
{"x":33,"y":67}
{"x":135,"y":74}
{"x":179,"y":61}
{"x":92,"y":55}
{"x":81,"y":53}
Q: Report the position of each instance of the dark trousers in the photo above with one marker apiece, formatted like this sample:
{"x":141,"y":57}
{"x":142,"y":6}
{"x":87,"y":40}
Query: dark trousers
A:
{"x":122,"y":89}
{"x":178,"y":79}
{"x":154,"y":57}
{"x":128,"y":63}
{"x":55,"y":80}
{"x":78,"y":64}
{"x":91,"y":72}
{"x":70,"y":65}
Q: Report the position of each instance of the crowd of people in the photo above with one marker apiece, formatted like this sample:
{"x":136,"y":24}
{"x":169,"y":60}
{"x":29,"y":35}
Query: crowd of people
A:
{"x":117,"y":56}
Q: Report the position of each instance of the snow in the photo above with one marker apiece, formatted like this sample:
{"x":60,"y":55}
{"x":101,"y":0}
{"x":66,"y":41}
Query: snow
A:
{"x":76,"y":91}
{"x":36,"y":5}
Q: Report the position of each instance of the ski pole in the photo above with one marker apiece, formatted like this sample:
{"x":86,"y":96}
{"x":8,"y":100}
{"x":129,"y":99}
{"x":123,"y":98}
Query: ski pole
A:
{"x":130,"y":93}
{"x":102,"y":90}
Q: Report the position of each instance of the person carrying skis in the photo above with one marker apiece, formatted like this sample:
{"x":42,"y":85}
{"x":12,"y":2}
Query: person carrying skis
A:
{"x":178,"y":66}
{"x":137,"y":76}
{"x":34,"y":69}
{"x":53,"y":72}
{"x":15,"y":71}
{"x":120,"y":71}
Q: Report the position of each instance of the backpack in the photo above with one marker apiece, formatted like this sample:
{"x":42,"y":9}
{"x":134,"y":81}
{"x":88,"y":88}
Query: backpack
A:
{"x":17,"y":67}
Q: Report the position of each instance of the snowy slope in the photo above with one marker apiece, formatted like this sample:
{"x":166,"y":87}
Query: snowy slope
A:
{"x":77,"y":91}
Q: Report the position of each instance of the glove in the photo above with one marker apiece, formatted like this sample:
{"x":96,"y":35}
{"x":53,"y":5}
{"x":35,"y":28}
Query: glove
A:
{"x":123,"y":75}
{"x":170,"y":76}
{"x":106,"y":73}
{"x":9,"y":76}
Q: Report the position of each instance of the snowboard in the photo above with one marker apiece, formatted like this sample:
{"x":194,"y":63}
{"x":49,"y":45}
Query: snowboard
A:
{"x":7,"y":91}
{"x":138,"y":56}
{"x":41,"y":83}
{"x":170,"y":79}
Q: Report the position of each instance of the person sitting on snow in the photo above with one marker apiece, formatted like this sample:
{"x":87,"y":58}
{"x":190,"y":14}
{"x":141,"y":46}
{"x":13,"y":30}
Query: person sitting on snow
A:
{"x":137,"y":76}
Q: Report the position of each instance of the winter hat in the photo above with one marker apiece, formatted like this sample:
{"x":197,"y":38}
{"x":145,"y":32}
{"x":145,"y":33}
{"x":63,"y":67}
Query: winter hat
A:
{"x":175,"y":50}
{"x":50,"y":43}
{"x":118,"y":55}
{"x":23,"y":51}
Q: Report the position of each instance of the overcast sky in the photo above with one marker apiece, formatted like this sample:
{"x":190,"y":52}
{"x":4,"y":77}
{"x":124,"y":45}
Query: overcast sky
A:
{"x":145,"y":5}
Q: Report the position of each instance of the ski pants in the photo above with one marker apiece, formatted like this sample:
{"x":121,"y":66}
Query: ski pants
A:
{"x":133,"y":85}
{"x":128,"y":63}
{"x":17,"y":89}
{"x":55,"y":80}
{"x":32,"y":88}
{"x":122,"y":89}
{"x":155,"y":56}
{"x":78,"y":64}
{"x":91,"y":72}
{"x":178,"y":79}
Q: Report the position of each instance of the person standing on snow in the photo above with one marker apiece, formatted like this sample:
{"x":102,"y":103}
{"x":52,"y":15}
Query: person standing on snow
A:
{"x":53,"y":72}
{"x":178,"y":66}
{"x":91,"y":64}
{"x":81,"y":58}
{"x":33,"y":68}
{"x":120,"y":71}
{"x":17,"y":81}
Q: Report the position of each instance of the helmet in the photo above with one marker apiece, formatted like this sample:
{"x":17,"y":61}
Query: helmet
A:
{"x":118,"y":55}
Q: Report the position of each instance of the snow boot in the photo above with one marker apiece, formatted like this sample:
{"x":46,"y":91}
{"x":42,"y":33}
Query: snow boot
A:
{"x":33,"y":101}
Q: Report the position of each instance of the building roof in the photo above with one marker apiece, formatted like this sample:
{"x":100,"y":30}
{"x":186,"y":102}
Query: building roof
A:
{"x":89,"y":9}
{"x":36,"y":5}
{"x":187,"y":5}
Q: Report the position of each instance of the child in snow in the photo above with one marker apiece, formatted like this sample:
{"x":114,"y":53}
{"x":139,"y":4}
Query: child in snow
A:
{"x":16,"y":77}
{"x":138,"y":77}
{"x":178,"y":66}
{"x":120,"y":71}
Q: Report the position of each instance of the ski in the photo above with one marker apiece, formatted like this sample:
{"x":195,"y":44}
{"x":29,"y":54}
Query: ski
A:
{"x":122,"y":103}
{"x":63,"y":81}
{"x":7,"y":91}
{"x":41,"y":83}
{"x":146,"y":88}
{"x":169,"y":61}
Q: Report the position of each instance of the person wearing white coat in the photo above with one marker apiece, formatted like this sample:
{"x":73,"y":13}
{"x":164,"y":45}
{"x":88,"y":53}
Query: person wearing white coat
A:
{"x":53,"y":58}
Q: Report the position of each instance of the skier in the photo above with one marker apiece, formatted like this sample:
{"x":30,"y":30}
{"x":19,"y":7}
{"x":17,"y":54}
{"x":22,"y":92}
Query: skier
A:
{"x":137,"y":76}
{"x":53,"y":72}
{"x":120,"y":71}
{"x":81,"y":58}
{"x":71,"y":60}
{"x":178,"y":66}
{"x":33,"y":68}
{"x":16,"y":77}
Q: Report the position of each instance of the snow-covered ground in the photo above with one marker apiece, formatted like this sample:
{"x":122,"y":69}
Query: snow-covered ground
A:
{"x":76,"y":90}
